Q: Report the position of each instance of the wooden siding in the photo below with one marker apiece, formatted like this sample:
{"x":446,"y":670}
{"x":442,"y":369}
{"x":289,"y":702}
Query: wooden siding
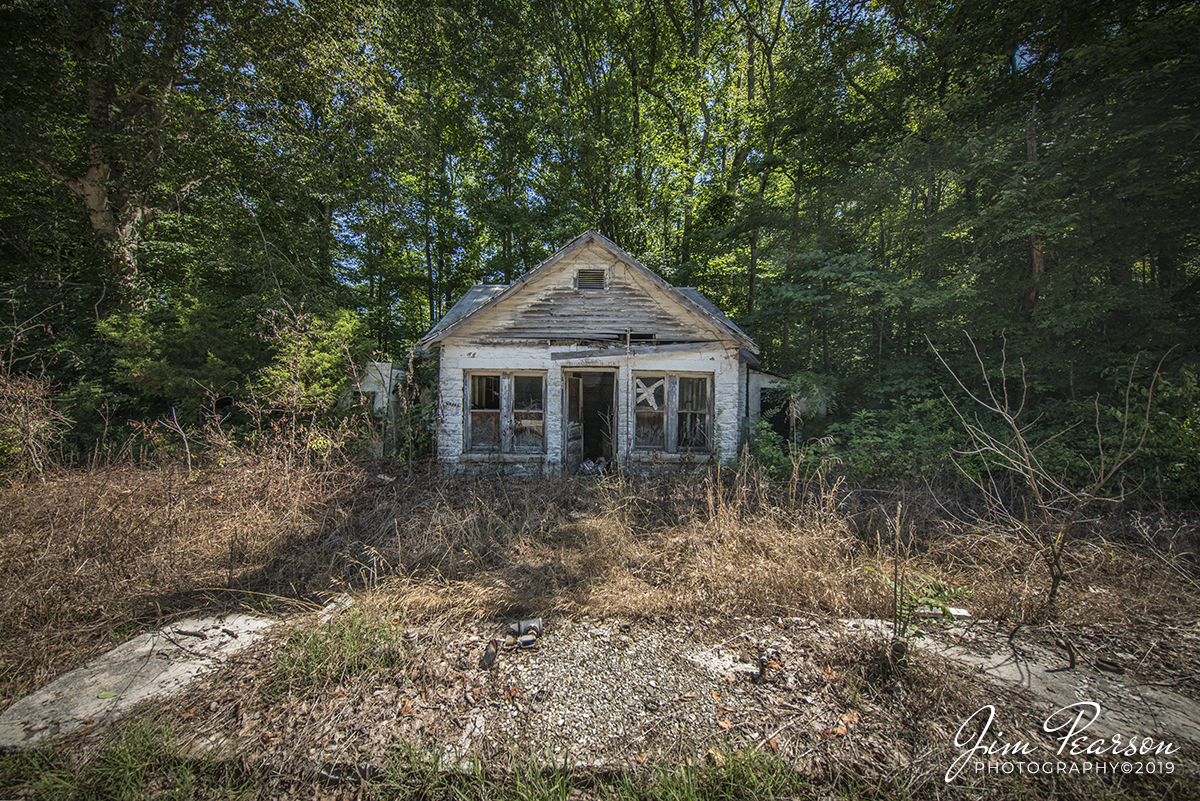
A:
{"x":551,"y":308}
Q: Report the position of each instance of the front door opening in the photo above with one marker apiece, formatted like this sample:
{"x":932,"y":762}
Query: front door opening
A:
{"x":591,"y":415}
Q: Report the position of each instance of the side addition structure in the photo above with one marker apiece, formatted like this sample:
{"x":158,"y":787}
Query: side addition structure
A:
{"x":589,"y":355}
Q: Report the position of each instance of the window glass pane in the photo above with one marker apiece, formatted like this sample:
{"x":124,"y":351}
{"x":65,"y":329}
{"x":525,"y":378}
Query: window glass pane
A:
{"x":528,"y":416}
{"x":527,"y":393}
{"x":648,"y":431}
{"x":485,"y":430}
{"x":485,"y":392}
{"x":693,"y":414}
{"x":693,"y":431}
{"x":650,"y":410}
{"x":693,"y":394}
{"x":527,"y":430}
{"x":485,"y":412}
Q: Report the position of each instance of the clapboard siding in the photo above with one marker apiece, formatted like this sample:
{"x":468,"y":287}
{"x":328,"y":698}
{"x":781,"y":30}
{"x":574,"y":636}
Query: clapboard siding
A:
{"x":551,"y":308}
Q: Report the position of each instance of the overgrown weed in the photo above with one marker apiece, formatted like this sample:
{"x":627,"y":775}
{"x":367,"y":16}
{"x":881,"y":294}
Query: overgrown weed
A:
{"x":356,"y":641}
{"x":97,"y":551}
{"x":135,"y":763}
{"x":105,"y":550}
{"x":146,"y":763}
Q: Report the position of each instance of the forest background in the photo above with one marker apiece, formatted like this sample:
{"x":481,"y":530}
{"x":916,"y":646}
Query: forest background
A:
{"x":210,"y":209}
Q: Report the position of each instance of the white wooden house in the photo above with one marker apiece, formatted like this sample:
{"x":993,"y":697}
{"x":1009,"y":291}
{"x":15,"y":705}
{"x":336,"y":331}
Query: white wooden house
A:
{"x":590,"y":355}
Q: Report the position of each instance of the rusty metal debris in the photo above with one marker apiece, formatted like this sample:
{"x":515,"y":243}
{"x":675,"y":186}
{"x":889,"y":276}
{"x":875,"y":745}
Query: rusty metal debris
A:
{"x":522,"y":634}
{"x":526,"y":632}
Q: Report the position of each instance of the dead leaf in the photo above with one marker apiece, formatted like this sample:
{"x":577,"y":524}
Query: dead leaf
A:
{"x":725,"y":724}
{"x":716,"y":696}
{"x":836,"y":731}
{"x":850,"y":718}
{"x":771,"y":746}
{"x":642,"y":757}
{"x":715,"y":757}
{"x":829,"y":674}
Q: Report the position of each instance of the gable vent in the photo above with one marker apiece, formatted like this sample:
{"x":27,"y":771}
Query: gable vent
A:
{"x":590,"y":279}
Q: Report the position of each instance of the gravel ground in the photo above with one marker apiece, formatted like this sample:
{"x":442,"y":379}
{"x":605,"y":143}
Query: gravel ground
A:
{"x":614,"y":693}
{"x":605,"y":690}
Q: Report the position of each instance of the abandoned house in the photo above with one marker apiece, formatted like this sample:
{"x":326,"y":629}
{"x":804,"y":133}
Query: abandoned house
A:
{"x":590,"y":359}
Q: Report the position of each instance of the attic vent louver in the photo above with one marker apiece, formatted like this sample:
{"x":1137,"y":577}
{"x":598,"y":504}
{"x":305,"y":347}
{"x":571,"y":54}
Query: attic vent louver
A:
{"x":590,"y":279}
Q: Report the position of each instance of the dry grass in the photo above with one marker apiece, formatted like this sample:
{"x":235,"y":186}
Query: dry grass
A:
{"x":734,"y":545}
{"x":91,"y":555}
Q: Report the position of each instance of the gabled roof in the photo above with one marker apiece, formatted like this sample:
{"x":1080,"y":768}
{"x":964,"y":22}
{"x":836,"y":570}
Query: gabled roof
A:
{"x":475,"y":297}
{"x":481,"y":297}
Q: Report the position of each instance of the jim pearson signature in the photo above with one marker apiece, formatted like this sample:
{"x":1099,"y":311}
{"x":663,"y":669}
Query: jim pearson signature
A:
{"x":1073,"y":718}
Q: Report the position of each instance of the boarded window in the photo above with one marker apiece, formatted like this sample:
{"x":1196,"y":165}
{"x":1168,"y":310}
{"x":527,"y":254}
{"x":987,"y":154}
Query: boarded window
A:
{"x":590,"y":279}
{"x":650,"y":411}
{"x":485,"y":412}
{"x":693,"y":432}
{"x":529,"y":415}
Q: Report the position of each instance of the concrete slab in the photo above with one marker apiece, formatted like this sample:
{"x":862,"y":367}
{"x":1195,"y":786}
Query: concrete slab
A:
{"x":154,"y":665}
{"x":1128,"y":708}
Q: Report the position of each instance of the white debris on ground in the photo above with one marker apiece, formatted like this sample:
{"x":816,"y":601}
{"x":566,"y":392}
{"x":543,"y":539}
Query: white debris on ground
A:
{"x":153,"y":665}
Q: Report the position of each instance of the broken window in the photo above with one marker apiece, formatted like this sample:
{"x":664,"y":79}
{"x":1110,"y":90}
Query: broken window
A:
{"x":529,"y":416}
{"x":506,"y":413}
{"x":484,"y":419}
{"x":650,"y":410}
{"x":693,"y":417}
{"x":684,"y":401}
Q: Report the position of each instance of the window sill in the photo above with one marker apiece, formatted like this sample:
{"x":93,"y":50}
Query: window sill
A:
{"x":494,"y":457}
{"x":651,"y":455}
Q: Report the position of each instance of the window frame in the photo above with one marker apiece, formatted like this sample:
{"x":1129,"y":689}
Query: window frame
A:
{"x":513,"y":411}
{"x":506,"y":415}
{"x":641,"y":390}
{"x":469,"y":444}
{"x":706,"y":411}
{"x":671,"y":411}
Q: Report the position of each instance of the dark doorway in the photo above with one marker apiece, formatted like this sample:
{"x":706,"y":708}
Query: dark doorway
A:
{"x":591,"y":415}
{"x":776,"y":409}
{"x":598,"y":418}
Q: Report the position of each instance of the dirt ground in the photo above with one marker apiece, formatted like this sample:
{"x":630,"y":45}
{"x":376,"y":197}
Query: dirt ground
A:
{"x":685,"y":619}
{"x":616,"y":693}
